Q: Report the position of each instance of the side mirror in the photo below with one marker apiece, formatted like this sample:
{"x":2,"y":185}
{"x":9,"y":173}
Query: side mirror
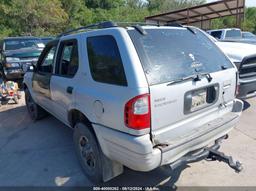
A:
{"x":32,"y":68}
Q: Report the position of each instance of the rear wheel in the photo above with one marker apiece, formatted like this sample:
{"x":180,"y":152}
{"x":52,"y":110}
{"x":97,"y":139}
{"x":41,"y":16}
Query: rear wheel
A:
{"x":34,"y":110}
{"x":89,"y":153}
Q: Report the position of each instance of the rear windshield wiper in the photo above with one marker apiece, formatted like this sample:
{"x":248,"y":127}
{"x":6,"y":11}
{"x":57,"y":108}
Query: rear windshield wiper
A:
{"x":194,"y":77}
{"x":223,"y":67}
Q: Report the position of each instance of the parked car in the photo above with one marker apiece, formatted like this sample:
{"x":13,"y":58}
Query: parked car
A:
{"x":17,"y":54}
{"x":141,"y":97}
{"x":244,"y":57}
{"x":231,"y":35}
{"x":248,"y":35}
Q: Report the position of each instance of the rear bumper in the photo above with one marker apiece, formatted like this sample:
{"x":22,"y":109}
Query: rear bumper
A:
{"x":139,"y":154}
{"x":247,"y":89}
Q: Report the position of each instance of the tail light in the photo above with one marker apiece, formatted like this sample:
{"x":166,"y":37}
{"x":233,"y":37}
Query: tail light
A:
{"x":11,"y":93}
{"x":137,"y":112}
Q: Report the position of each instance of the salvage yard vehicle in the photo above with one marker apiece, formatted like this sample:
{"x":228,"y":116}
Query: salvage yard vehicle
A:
{"x":248,"y":35}
{"x":17,"y":54}
{"x":137,"y":96}
{"x":244,"y":57}
{"x":231,"y":35}
{"x":227,"y":33}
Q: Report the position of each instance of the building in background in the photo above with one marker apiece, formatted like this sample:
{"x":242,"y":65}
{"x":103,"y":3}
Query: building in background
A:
{"x":202,"y":15}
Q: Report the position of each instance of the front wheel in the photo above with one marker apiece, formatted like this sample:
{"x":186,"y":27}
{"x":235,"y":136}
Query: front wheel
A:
{"x":89,"y":153}
{"x":34,"y":110}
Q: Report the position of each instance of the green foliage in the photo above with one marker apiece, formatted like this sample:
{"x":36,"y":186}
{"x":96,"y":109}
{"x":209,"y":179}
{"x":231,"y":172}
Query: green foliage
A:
{"x":78,"y":13}
{"x":32,"y":17}
{"x":225,"y":22}
{"x":249,"y":23}
{"x":50,"y":17}
{"x":158,"y":6}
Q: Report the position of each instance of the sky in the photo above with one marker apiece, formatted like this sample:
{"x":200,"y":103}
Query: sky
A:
{"x":248,"y":3}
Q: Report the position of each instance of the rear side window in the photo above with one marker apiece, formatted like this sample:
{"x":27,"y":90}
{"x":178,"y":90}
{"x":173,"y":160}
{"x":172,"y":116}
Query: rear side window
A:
{"x":216,"y":34}
{"x":105,"y":61}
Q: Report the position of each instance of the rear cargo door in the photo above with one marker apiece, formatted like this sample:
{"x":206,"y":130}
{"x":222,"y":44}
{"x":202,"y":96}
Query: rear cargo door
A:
{"x":188,"y":77}
{"x":177,"y":110}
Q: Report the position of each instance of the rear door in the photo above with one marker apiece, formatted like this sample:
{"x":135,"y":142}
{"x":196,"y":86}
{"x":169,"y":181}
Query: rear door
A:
{"x":179,"y":110}
{"x":63,"y":81}
{"x":188,"y":80}
{"x":42,"y":75}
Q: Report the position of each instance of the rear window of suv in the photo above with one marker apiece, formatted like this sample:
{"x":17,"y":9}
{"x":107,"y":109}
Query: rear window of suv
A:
{"x":169,"y":54}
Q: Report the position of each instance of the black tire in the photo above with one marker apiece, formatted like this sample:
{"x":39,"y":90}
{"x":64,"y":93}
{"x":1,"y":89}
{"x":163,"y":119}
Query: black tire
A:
{"x":88,"y":152}
{"x":34,"y":110}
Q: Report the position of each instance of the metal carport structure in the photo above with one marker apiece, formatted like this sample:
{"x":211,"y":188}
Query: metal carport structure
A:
{"x":202,"y":15}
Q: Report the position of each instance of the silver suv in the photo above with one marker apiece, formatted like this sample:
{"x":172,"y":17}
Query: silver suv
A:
{"x":138,"y":96}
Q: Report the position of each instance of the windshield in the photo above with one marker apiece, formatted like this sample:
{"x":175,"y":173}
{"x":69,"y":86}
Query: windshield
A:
{"x":233,"y":34}
{"x":174,"y":53}
{"x":14,"y":44}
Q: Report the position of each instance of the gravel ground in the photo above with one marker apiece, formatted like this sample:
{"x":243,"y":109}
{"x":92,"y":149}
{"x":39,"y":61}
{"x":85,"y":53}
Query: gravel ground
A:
{"x":41,"y":154}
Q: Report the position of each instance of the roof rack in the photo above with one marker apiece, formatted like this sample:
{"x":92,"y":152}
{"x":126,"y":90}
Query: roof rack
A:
{"x":105,"y":24}
{"x":174,"y":24}
{"x":110,"y":24}
{"x":126,"y":24}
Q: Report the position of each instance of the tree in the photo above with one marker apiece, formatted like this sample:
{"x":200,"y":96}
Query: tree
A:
{"x":104,"y":4}
{"x":249,"y":23}
{"x":169,"y":5}
{"x":50,"y":17}
{"x":34,"y":17}
{"x":78,"y":13}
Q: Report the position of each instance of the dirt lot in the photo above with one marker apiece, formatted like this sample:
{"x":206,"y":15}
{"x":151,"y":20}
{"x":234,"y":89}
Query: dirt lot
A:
{"x":42,"y":154}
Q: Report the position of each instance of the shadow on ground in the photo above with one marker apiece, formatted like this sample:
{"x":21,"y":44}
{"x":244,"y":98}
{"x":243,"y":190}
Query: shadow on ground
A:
{"x":45,"y":149}
{"x":163,"y":176}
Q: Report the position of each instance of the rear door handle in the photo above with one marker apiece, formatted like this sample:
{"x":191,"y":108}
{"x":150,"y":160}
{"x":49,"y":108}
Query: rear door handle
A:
{"x":69,"y":90}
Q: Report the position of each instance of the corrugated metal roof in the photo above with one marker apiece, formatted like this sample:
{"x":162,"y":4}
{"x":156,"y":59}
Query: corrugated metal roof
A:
{"x":204,"y":12}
